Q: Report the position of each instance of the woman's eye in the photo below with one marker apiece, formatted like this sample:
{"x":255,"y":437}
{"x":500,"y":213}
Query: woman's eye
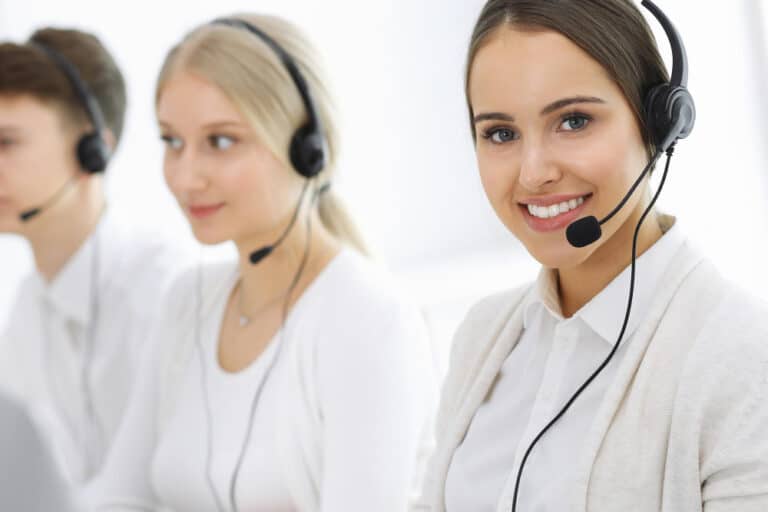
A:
{"x":574,"y":123}
{"x":500,"y":135}
{"x":221,"y":141}
{"x":172,"y":142}
{"x":6,"y":142}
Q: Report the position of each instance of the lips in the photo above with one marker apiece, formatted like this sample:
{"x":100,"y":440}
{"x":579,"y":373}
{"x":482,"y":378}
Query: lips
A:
{"x":204,"y":211}
{"x":553,"y":213}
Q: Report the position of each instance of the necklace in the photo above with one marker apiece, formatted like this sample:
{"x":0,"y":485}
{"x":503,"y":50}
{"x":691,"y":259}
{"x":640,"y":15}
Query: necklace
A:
{"x":244,"y":319}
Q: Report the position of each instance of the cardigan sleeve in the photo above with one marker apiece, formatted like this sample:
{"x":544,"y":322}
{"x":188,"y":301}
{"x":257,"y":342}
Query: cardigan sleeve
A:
{"x":734,"y":411}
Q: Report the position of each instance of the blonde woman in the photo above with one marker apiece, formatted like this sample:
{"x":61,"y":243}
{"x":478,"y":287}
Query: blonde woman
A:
{"x":294,"y":378}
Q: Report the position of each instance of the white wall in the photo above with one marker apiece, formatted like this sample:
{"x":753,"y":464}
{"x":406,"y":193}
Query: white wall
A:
{"x":408,"y":168}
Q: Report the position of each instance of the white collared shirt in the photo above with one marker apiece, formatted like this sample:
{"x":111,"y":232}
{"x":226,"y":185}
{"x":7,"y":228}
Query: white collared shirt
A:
{"x":554,"y":356}
{"x":71,"y":346}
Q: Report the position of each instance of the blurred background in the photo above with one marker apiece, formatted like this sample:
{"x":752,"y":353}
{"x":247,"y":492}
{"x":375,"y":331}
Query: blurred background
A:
{"x":408,"y":170}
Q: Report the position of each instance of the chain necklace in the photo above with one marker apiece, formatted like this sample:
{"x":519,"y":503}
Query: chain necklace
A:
{"x":246,"y":318}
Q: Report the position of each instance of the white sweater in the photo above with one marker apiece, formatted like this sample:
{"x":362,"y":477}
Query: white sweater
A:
{"x":684,"y":426}
{"x":338,"y":422}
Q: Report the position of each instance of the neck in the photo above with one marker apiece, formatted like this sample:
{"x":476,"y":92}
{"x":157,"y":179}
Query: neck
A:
{"x":274,"y":275}
{"x":580,"y":284}
{"x":59,"y":231}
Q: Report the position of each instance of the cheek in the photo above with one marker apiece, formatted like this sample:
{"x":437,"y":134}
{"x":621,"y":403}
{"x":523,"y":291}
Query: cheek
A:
{"x":611,"y":174}
{"x":34,"y":170}
{"x":498,"y":175}
{"x":168,"y":175}
{"x":244,"y":183}
{"x":257,"y":188}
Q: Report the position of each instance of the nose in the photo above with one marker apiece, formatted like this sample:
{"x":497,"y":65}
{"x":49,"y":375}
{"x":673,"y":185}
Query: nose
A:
{"x":537,"y":170}
{"x":185,"y":173}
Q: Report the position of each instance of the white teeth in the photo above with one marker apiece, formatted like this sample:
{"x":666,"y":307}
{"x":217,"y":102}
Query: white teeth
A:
{"x":547,"y":212}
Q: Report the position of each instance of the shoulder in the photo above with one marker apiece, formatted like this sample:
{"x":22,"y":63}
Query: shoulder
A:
{"x":493,"y":308}
{"x":725,"y":368}
{"x":484,"y":318}
{"x":355,"y":313}
{"x":724,"y":384}
{"x":354,"y":291}
{"x":733,"y":336}
{"x":722,"y":316}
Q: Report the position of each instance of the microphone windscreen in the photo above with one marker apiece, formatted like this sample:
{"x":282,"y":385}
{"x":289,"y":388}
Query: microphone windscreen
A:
{"x":583,"y":232}
{"x":29,"y":214}
{"x":260,"y":254}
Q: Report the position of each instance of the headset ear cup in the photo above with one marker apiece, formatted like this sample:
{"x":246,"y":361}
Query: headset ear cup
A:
{"x":655,"y":113}
{"x":682,"y":111}
{"x":92,"y":153}
{"x":307,"y":151}
{"x":670,"y":114}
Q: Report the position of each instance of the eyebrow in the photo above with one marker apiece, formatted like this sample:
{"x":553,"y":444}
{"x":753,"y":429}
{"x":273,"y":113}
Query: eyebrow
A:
{"x":494,"y":116}
{"x":222,"y":124}
{"x":552,"y":107}
{"x":213,"y":124}
{"x":557,"y":105}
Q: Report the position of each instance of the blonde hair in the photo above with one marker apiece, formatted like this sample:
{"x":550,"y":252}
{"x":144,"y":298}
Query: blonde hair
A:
{"x":252,"y":76}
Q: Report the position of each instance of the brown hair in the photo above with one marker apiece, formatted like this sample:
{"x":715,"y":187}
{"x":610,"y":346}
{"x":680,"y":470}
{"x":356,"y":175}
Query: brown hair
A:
{"x":613,"y":32}
{"x":25,"y":69}
{"x":251,"y":75}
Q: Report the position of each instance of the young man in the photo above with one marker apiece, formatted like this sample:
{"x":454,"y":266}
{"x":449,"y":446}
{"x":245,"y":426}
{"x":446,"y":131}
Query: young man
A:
{"x":73,"y":338}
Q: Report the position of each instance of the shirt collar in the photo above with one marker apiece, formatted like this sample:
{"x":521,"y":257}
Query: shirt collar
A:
{"x":604,"y":314}
{"x":70,"y":291}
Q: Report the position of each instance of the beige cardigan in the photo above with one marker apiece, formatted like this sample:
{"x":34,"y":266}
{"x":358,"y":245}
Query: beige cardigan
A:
{"x":683,"y":427}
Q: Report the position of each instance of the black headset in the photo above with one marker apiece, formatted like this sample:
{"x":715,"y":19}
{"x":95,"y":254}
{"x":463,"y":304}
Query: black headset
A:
{"x":670,"y":112}
{"x":307,"y":150}
{"x":92,"y":151}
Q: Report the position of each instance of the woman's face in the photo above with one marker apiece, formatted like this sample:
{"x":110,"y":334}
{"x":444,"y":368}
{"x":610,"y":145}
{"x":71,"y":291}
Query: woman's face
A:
{"x":229,"y":185}
{"x":556,"y":141}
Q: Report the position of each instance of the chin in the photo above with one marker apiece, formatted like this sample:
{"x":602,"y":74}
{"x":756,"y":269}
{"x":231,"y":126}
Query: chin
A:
{"x":209,"y":236}
{"x":558,"y":255}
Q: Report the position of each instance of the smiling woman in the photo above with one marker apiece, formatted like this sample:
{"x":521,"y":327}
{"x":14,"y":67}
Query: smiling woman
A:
{"x":570,"y":107}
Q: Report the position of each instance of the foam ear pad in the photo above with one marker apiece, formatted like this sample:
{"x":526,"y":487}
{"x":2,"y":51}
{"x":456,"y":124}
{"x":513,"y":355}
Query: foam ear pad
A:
{"x":92,"y":153}
{"x":683,"y":111}
{"x":670,"y":114}
{"x":307,"y":151}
